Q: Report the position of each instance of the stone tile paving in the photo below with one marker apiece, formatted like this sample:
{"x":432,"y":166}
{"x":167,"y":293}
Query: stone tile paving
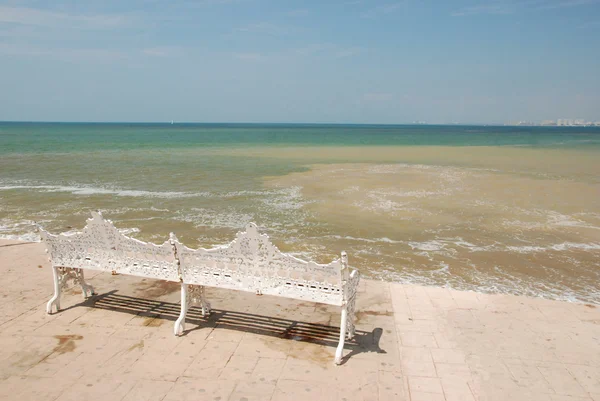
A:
{"x":413,"y":343}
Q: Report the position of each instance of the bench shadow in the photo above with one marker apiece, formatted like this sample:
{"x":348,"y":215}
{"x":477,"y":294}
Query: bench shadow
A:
{"x":314,"y":333}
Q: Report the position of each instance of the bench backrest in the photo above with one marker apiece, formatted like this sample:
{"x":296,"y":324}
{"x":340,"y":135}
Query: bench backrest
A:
{"x":100,"y":246}
{"x":252,"y":263}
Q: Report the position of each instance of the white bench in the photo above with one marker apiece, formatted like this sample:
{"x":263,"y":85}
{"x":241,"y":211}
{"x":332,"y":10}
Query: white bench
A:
{"x":249,"y":263}
{"x":252,"y":263}
{"x":100,"y":246}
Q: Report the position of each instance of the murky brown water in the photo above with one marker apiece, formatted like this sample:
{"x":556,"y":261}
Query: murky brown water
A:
{"x":496,"y":219}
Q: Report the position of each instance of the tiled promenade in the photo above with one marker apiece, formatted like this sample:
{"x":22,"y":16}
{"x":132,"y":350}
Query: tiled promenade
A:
{"x":413,"y":343}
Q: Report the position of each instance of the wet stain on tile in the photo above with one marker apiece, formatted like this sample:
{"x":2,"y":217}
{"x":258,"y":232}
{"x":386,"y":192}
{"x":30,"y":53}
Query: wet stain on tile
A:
{"x":365,"y":313}
{"x":152,"y":322}
{"x":312,"y":352}
{"x":66,"y":343}
{"x":157,"y":288}
{"x":139,"y":345}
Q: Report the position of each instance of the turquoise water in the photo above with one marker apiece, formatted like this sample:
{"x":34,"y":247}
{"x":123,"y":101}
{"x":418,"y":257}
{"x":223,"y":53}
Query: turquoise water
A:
{"x":496,"y":209}
{"x":67,"y":137}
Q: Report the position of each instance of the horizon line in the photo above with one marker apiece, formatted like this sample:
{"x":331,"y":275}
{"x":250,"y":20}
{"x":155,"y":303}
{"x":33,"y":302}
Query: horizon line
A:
{"x":260,"y":123}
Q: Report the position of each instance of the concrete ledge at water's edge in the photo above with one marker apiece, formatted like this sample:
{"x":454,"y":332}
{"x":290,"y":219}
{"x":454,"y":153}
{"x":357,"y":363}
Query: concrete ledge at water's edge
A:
{"x":412,"y":343}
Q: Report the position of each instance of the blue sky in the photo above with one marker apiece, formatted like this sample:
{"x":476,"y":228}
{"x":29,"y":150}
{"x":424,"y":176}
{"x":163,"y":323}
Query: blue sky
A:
{"x":339,"y":61}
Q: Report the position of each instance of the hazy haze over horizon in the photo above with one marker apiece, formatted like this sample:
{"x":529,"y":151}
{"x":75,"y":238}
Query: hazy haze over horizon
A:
{"x":480,"y":61}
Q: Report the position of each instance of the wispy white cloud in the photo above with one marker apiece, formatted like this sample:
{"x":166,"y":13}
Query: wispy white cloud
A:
{"x":589,"y":24}
{"x":377,"y":97}
{"x":348,"y":52}
{"x":155,"y":52}
{"x":263,"y":28}
{"x":329,"y":49}
{"x":322,"y":50}
{"x":383,"y":9}
{"x":76,"y":55}
{"x":201,"y":3}
{"x":301,"y":12}
{"x":497,"y":9}
{"x":46,"y":18}
{"x":18,"y":31}
{"x":313,"y":48}
{"x":568,"y":4}
{"x":248,"y":56}
{"x":163,"y":51}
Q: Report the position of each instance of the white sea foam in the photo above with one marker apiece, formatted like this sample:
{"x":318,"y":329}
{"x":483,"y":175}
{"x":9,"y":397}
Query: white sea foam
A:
{"x":227,"y":218}
{"x":547,"y":219}
{"x":378,"y":193}
{"x":432,"y":245}
{"x":386,"y":206}
{"x":447,"y":244}
{"x":368,"y":240}
{"x":351,"y":189}
{"x":19,"y":231}
{"x":89,"y":190}
{"x":27,"y":237}
{"x":443,"y":269}
{"x":123,"y":210}
{"x":571,"y":245}
{"x":386,"y":239}
{"x":304,"y":255}
{"x":129,"y":231}
{"x":526,"y":249}
{"x":498,"y":281}
{"x":287,"y":199}
{"x":565,"y":246}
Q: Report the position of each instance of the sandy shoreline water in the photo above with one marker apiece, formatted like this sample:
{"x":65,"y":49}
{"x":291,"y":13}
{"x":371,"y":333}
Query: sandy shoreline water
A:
{"x":464,"y":228}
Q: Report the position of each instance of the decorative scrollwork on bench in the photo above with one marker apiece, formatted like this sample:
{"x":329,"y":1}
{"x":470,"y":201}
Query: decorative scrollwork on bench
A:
{"x":253,"y":263}
{"x":67,"y":274}
{"x":249,"y":263}
{"x":101,"y":246}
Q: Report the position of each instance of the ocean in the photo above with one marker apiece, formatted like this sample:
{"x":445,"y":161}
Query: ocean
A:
{"x":494,"y":209}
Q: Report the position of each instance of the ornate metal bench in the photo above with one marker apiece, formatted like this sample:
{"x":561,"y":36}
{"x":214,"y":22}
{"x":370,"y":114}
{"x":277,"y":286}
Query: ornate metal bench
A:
{"x":100,"y":246}
{"x":249,"y":263}
{"x":252,"y":263}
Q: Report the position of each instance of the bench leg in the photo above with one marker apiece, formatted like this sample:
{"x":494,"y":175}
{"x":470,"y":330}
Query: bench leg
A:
{"x":85,"y":287}
{"x":351,"y":319}
{"x":55,"y":300}
{"x":340,"y":348}
{"x":180,"y":323}
{"x":204,"y":303}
